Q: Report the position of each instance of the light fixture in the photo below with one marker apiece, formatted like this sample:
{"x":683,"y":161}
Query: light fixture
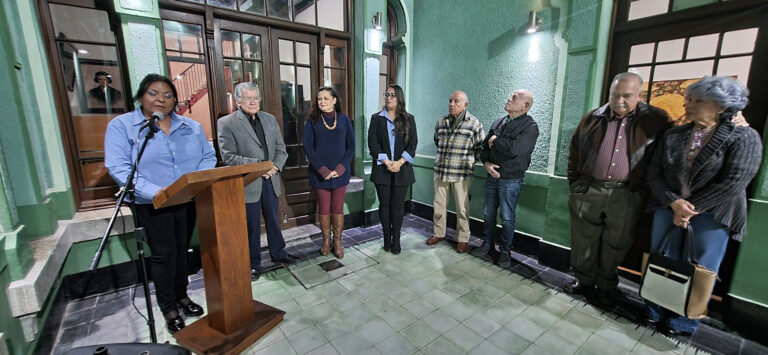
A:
{"x":535,"y":21}
{"x":377,"y":20}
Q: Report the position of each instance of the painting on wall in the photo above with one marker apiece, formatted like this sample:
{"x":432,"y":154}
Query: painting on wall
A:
{"x":669,"y":95}
{"x":101,"y":83}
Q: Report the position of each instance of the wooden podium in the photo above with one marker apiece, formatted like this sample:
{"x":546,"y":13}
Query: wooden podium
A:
{"x":234,"y":320}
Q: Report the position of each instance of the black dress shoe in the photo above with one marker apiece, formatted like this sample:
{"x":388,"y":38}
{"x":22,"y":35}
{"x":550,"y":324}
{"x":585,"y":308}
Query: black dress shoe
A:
{"x":191,"y":309}
{"x":174,"y":324}
{"x":577,"y":288}
{"x":674,"y":332}
{"x":288,"y":259}
{"x":255,"y":274}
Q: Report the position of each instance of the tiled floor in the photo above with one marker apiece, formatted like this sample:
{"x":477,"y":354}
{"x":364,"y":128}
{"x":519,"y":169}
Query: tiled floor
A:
{"x":428,"y":300}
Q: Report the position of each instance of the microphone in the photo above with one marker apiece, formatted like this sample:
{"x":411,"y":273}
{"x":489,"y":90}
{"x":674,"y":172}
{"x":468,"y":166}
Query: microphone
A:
{"x":156,"y":116}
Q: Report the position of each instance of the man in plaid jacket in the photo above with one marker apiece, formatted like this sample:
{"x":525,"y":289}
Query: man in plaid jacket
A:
{"x":458,"y":137}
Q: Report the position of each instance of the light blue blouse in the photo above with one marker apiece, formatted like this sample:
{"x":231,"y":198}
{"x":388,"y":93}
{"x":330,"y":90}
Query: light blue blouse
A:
{"x":166,"y":157}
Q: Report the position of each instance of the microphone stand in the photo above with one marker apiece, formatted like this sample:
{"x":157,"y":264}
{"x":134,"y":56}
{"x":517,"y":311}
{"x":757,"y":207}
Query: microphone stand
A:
{"x":139,"y":233}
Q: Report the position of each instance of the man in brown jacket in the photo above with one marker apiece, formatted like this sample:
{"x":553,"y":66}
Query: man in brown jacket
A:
{"x":606,"y":172}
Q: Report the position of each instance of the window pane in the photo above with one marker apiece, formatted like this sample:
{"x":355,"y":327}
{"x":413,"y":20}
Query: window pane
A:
{"x":742,"y":41}
{"x":253,"y":74}
{"x":383,"y":61}
{"x":191,"y":82}
{"x":230,"y":43}
{"x":304,"y":92}
{"x":302,"y":53}
{"x":686,"y":4}
{"x":233,"y":75}
{"x":702,"y":46}
{"x":280,"y":9}
{"x":251,"y":46}
{"x":333,"y":57}
{"x":182,"y":37}
{"x":230,"y":4}
{"x":684,"y":71}
{"x":305,"y":11}
{"x":338,"y":79}
{"x":668,"y":51}
{"x":286,"y":50}
{"x":641,"y":53}
{"x":95,"y":174}
{"x":254,"y":6}
{"x":288,"y":100}
{"x":645,"y":8}
{"x":330,"y":14}
{"x":77,"y":23}
{"x":736,"y":67}
{"x":645,"y":73}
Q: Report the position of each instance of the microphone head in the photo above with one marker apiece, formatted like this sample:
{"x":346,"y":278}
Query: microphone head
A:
{"x":158,"y":116}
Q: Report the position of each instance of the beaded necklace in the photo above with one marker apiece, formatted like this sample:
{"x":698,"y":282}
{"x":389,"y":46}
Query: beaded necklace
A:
{"x":335,"y":121}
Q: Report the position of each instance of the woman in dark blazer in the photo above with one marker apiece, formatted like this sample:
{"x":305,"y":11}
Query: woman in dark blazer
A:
{"x":698,"y":175}
{"x":392,"y":142}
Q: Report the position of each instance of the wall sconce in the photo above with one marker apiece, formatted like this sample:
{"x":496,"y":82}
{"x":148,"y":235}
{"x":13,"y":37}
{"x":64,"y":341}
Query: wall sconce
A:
{"x":535,"y":21}
{"x":377,"y":20}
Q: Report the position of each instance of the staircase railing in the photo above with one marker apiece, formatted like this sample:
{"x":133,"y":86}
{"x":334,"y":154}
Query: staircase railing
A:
{"x":190,"y":82}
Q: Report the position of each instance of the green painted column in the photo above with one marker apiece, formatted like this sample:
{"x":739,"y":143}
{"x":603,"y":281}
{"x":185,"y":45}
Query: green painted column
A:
{"x":143,"y":44}
{"x":749,"y":282}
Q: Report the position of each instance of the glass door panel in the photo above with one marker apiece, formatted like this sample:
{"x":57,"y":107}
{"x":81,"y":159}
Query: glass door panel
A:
{"x":242,"y":51}
{"x":297,"y":63}
{"x":188,"y":69}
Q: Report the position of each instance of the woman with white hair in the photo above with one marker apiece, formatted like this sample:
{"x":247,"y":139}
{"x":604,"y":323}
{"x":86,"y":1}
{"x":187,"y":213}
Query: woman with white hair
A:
{"x":698,"y":175}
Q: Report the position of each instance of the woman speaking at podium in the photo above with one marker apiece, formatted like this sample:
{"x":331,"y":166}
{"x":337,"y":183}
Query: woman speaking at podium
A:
{"x":178,"y":147}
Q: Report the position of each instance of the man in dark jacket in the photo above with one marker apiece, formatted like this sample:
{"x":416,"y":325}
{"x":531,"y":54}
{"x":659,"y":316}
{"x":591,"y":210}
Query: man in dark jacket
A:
{"x":606,"y":172}
{"x":506,"y":156}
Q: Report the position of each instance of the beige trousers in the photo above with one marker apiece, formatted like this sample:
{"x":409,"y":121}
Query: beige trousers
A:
{"x":461,"y":198}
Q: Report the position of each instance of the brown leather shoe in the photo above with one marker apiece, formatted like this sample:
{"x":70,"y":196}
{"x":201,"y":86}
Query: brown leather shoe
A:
{"x":325,"y":228}
{"x":462,"y":247}
{"x":434,"y":240}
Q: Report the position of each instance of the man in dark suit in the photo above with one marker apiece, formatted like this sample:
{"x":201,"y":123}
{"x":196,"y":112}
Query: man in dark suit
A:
{"x":247,"y":136}
{"x":506,"y":156}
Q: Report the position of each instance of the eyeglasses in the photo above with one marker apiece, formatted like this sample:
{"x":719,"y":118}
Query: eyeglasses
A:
{"x":250,"y":99}
{"x":393,"y":95}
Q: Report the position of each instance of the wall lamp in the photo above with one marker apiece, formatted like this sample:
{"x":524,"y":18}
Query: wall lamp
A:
{"x":535,"y":21}
{"x":377,"y":20}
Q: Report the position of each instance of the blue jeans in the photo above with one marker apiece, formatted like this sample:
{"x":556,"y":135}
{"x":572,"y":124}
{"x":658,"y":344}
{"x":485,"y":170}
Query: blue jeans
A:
{"x":711,"y":240}
{"x":500,"y":193}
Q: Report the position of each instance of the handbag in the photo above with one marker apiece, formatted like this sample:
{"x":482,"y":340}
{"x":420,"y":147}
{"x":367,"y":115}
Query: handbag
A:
{"x":681,"y":286}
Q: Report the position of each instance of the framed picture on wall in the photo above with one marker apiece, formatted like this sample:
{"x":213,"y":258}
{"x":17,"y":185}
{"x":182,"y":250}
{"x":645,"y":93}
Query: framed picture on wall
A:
{"x":102,"y":86}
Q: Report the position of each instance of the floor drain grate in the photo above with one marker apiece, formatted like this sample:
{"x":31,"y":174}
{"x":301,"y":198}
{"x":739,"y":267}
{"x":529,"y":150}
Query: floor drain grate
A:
{"x":330,"y":265}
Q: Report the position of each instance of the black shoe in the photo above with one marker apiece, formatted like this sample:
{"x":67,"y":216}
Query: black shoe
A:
{"x":607,"y":298}
{"x":505,"y":260}
{"x":191,"y":309}
{"x":577,"y":288}
{"x":482,"y":250}
{"x":289,"y":259}
{"x":387,"y":243}
{"x":174,"y":324}
{"x":396,"y":244}
{"x":255,"y":274}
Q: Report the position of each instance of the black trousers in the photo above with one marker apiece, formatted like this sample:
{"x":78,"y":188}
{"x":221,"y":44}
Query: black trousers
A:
{"x":168,"y":233}
{"x":391,"y":207}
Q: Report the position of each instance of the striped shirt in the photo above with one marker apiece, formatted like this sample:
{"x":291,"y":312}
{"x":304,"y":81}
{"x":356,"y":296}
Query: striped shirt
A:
{"x":612,"y":163}
{"x":457,"y":149}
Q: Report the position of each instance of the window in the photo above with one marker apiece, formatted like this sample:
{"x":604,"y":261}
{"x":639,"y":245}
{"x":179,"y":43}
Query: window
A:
{"x":323,"y":13}
{"x":89,"y":82}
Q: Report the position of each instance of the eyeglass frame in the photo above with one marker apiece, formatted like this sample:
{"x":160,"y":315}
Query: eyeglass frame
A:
{"x":250,"y":99}
{"x":387,"y":95}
